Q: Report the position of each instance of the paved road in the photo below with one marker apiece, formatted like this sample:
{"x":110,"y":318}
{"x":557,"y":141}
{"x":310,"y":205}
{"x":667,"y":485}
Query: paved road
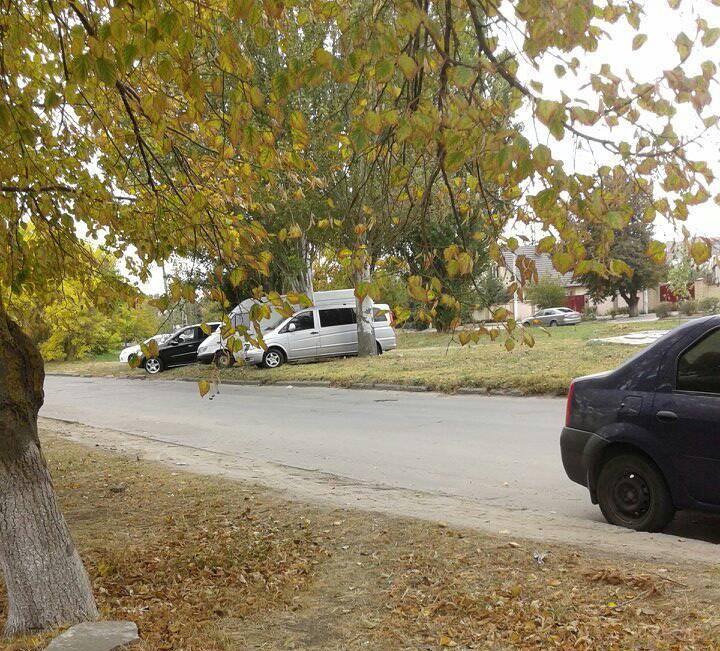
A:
{"x":497,"y":450}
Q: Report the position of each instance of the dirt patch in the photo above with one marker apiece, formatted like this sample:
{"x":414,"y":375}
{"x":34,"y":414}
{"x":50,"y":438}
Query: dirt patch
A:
{"x":313,"y":486}
{"x":202,"y":563}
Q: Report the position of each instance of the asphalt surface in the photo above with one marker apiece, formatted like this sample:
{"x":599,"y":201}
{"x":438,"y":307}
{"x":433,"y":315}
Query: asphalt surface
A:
{"x":502,"y":451}
{"x":497,"y":453}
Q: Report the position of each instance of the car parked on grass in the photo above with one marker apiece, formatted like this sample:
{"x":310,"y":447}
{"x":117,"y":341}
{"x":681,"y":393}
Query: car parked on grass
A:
{"x":645,"y":438}
{"x":179,"y":349}
{"x":215,"y":348}
{"x":125,"y":353}
{"x":554,"y":316}
{"x":320,"y":332}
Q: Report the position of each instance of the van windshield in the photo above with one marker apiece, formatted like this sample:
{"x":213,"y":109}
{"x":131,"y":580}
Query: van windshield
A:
{"x":243,"y":320}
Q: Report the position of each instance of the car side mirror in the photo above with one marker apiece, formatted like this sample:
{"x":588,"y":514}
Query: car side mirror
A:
{"x":292,"y":327}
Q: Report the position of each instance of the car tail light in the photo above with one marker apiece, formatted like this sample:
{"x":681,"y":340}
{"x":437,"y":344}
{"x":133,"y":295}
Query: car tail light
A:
{"x":568,"y":407}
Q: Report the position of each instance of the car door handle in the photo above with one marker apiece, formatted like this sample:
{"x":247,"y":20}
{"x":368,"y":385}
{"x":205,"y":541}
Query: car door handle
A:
{"x":666,"y":416}
{"x":314,"y":332}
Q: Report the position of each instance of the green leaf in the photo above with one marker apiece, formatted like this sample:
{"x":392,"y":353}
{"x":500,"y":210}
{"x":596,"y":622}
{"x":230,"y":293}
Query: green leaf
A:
{"x":639,"y":41}
{"x":617,"y":220}
{"x":683,"y":45}
{"x":384,"y":70}
{"x":700,"y":251}
{"x":105,"y":70}
{"x":323,"y":57}
{"x":408,"y":66}
{"x":463,"y":77}
{"x":710,"y":36}
{"x":562,"y":261}
{"x":203,"y":387}
{"x":546,"y":244}
{"x":373,"y":122}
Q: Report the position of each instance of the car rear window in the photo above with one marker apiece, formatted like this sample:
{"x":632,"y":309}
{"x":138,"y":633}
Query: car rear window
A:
{"x":380,"y":315}
{"x":337,"y":317}
{"x":699,"y":366}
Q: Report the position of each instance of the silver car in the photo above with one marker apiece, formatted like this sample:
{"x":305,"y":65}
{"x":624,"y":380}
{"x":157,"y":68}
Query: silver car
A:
{"x":319,"y":332}
{"x":554,"y":316}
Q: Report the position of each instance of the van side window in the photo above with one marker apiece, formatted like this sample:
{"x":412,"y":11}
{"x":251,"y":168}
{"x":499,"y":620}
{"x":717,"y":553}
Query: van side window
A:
{"x":302,"y":321}
{"x":699,"y":367}
{"x":337,"y":317}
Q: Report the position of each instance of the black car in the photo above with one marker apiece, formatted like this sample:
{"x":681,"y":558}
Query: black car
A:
{"x":645,"y":438}
{"x":178,"y":350}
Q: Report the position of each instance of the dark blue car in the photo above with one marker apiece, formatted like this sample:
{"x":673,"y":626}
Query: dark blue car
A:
{"x":645,"y":438}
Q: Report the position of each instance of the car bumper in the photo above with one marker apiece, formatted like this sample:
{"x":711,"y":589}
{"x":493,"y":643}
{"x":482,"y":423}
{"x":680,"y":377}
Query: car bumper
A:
{"x":387,"y":344}
{"x":573,"y":444}
{"x":253,"y":356}
{"x":574,"y":321}
{"x":206,"y":358}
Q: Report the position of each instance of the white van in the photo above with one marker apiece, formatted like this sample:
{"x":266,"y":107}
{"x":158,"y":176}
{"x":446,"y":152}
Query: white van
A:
{"x":214,"y":348}
{"x":329,"y":329}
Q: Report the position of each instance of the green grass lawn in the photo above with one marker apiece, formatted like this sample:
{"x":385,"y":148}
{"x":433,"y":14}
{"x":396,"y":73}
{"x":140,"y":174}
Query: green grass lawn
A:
{"x":437,"y":361}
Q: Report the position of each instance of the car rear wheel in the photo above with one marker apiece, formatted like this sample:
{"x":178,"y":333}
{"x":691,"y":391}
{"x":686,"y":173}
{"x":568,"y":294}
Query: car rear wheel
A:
{"x":273,"y":358}
{"x":632,"y":493}
{"x":153,"y":365}
{"x":379,"y":348}
{"x":224,"y":359}
{"x":553,"y":323}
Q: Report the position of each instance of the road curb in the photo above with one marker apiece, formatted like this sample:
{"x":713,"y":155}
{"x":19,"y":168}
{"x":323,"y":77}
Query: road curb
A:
{"x":376,"y":386}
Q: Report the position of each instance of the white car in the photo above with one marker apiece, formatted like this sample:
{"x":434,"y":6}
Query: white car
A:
{"x":554,"y":316}
{"x":135,"y":350}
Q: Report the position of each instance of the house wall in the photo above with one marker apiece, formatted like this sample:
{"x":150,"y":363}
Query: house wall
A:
{"x":703,"y":289}
{"x":605,"y":307}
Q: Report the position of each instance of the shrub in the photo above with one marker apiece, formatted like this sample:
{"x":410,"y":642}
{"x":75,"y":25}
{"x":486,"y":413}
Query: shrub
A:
{"x":662,"y":311}
{"x":589,"y":313}
{"x":616,"y":311}
{"x":687,"y":307}
{"x":709,"y":305}
{"x":547,"y":292}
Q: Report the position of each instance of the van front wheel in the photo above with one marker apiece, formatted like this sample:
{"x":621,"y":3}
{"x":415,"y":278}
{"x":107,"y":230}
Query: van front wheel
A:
{"x":273,"y":358}
{"x":224,"y":359}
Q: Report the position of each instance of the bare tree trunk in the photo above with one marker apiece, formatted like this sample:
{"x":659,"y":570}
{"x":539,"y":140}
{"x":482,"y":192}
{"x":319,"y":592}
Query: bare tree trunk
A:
{"x":367,"y":345}
{"x":633,"y":301}
{"x":302,"y":282}
{"x":46,"y":582}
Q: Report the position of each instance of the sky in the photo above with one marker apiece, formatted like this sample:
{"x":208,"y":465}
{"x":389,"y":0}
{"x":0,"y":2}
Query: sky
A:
{"x":661,"y":25}
{"x":646,"y":64}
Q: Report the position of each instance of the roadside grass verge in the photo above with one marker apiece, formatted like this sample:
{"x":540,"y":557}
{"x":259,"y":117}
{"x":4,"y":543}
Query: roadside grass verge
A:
{"x":206,"y":564}
{"x":437,"y":361}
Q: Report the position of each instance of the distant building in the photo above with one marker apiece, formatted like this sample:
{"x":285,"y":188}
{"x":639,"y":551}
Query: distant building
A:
{"x":577,"y":296}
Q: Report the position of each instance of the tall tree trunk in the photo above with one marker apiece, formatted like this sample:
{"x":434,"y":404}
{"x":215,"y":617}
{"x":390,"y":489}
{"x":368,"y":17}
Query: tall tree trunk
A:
{"x":46,"y":582}
{"x":633,"y":301}
{"x":367,"y":344}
